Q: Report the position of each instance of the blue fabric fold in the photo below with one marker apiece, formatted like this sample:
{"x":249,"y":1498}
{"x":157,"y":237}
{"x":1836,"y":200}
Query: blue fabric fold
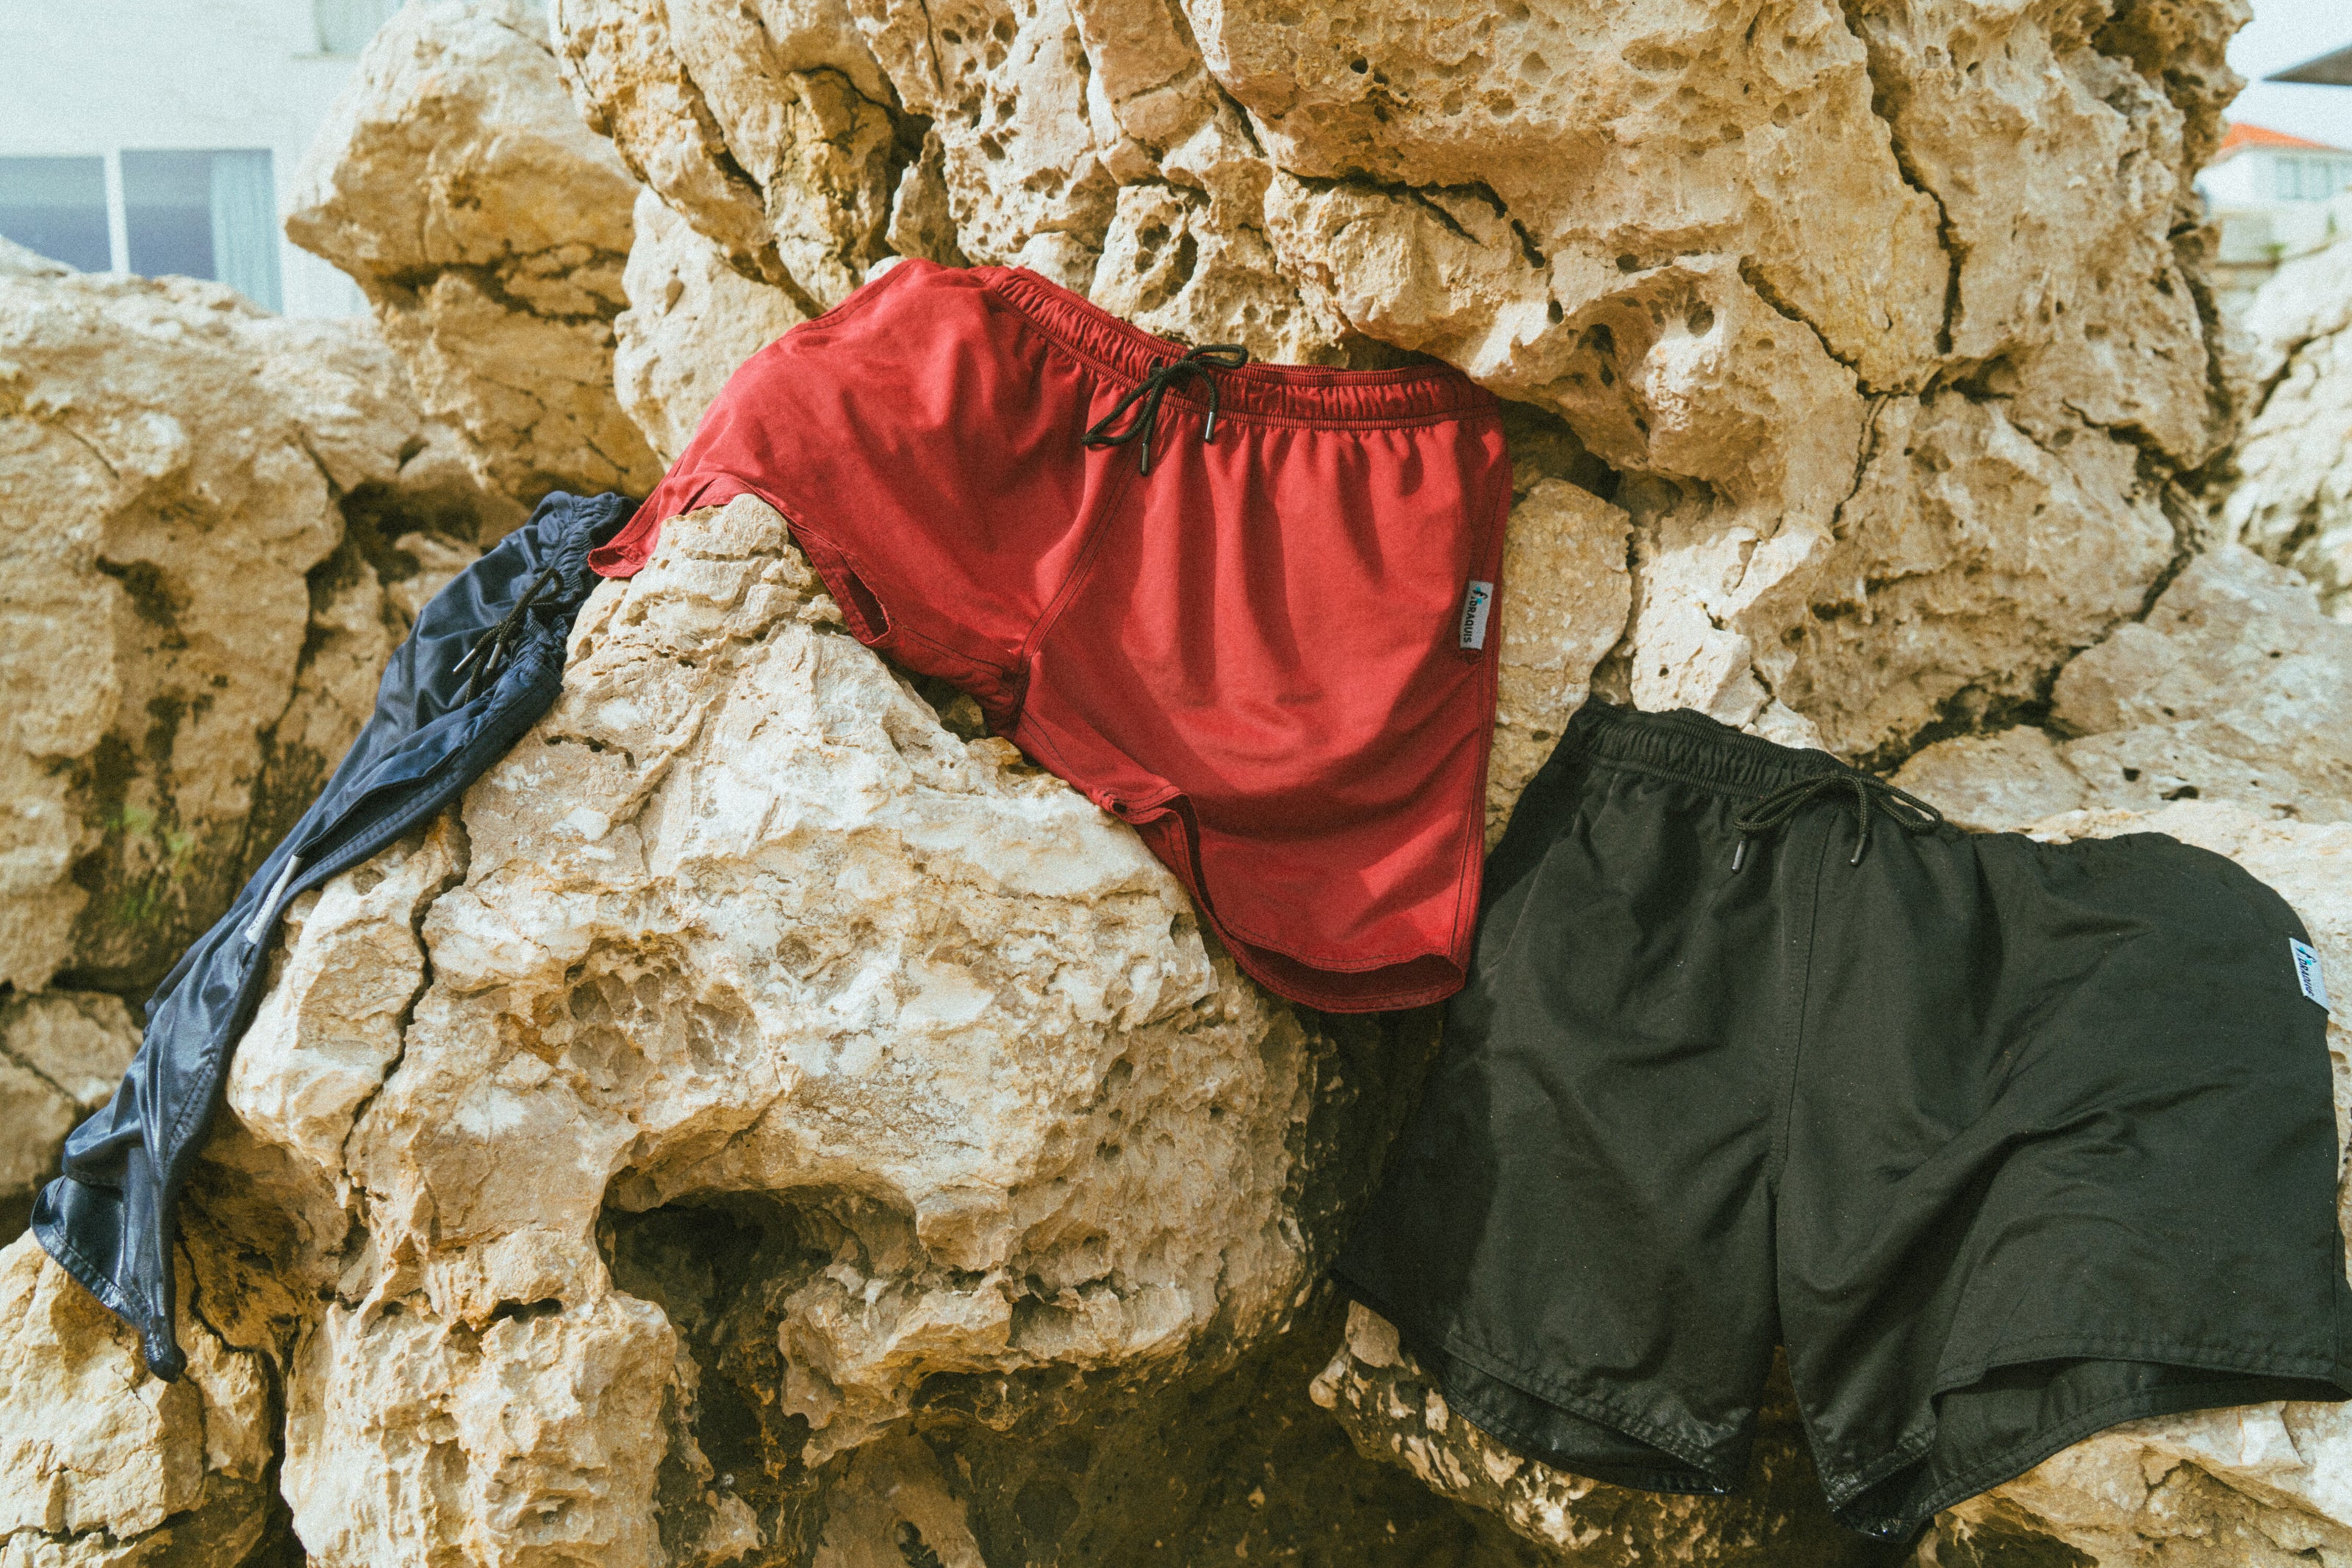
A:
{"x":438,"y":724}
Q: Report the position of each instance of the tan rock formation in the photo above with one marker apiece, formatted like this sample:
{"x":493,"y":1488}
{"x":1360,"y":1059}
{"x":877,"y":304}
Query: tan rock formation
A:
{"x":691,"y":320}
{"x":741,"y":925}
{"x":2235,"y":688}
{"x":1894,"y":373}
{"x":193,"y":625}
{"x":765,"y":1124}
{"x":489,"y":228}
{"x":740,"y":943}
{"x":102,"y":1465}
{"x":2293,"y":495}
{"x":61,"y":1054}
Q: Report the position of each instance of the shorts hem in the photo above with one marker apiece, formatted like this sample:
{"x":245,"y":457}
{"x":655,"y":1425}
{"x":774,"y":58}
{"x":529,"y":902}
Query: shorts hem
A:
{"x":1413,"y":1332}
{"x":2230,"y":1385}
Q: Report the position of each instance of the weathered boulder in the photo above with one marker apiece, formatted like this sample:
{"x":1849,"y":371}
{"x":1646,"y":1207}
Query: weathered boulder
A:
{"x":100,"y":1465}
{"x":767,"y":1123}
{"x":2235,"y":687}
{"x":691,"y":320}
{"x":1890,"y":373}
{"x":2291,"y":499}
{"x":755,"y":1073}
{"x":203,"y":508}
{"x":61,"y":1054}
{"x":489,"y":228}
{"x":756,"y":1049}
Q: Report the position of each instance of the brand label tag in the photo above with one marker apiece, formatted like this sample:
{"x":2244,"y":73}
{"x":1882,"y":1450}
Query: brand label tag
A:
{"x":1474,"y":605}
{"x":2306,"y":972}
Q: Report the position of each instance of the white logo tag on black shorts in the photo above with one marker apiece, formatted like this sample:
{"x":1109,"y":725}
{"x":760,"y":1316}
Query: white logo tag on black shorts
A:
{"x":1473,"y":614}
{"x":2306,"y":972}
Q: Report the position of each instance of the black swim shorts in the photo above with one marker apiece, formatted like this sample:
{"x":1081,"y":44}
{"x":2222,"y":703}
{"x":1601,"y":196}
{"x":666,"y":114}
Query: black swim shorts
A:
{"x":2006,"y":1142}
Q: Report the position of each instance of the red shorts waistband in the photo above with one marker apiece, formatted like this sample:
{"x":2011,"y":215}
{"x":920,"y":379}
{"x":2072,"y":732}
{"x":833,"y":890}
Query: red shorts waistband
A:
{"x":1314,"y":395}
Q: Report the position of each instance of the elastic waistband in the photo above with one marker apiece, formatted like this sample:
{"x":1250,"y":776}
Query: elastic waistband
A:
{"x":1692,"y":748}
{"x":1290,"y":394}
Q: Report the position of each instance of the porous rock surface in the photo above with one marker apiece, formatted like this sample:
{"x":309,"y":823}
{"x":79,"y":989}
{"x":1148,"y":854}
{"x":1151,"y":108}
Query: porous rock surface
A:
{"x":770,"y":1123}
{"x":692,"y":319}
{"x":61,"y":1054}
{"x":1891,"y":372}
{"x":488,"y":229}
{"x":2235,"y":687}
{"x":213,"y":527}
{"x":2292,"y":497}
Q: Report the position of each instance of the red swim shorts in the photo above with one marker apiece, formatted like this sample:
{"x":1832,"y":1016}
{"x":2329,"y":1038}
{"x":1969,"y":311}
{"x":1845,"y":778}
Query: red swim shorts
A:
{"x":1269,"y":652}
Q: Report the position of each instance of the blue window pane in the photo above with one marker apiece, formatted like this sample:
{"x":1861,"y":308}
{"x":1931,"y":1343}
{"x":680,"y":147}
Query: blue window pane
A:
{"x":245,"y":225}
{"x":167,"y":205}
{"x":56,"y":206}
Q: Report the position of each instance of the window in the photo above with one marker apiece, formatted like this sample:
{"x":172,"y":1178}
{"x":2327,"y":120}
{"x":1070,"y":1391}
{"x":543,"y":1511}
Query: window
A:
{"x":205,"y":215}
{"x":346,"y":26}
{"x":56,"y":206}
{"x":2307,"y":177}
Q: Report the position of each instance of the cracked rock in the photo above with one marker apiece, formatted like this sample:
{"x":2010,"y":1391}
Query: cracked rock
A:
{"x":489,"y":228}
{"x":202,"y":504}
{"x":2235,"y":688}
{"x":61,"y":1054}
{"x":1888,"y":319}
{"x":2292,"y":497}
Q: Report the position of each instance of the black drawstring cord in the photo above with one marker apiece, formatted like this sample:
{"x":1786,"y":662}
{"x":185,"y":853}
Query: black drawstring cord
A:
{"x":1197,"y":363}
{"x":1910,"y":812}
{"x":501,"y":636}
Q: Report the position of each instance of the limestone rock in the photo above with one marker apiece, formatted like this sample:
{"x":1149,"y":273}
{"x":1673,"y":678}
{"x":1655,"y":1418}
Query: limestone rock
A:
{"x":1567,"y":591}
{"x":1888,"y":319}
{"x":691,"y":320}
{"x":17,"y":261}
{"x":61,"y":1054}
{"x":103,"y":1465}
{"x":741,"y":936}
{"x":489,"y":228}
{"x":194,"y":497}
{"x":2235,"y":688}
{"x":769,"y":128}
{"x":2293,"y":495}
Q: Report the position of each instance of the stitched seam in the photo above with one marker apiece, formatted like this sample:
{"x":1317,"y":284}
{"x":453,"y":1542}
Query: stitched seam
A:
{"x":1535,"y":1384}
{"x":899,"y":627}
{"x":2096,"y":1347}
{"x":1683,"y":776}
{"x":2023,"y":1457}
{"x":1056,"y":338}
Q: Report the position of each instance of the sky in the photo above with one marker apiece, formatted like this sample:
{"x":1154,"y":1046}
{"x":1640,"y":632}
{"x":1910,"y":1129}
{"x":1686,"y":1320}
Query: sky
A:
{"x":2286,"y":33}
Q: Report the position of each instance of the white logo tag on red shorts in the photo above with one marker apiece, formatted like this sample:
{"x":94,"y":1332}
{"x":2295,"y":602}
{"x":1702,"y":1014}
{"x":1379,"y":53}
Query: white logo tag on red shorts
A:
{"x":2306,"y":972}
{"x":1473,"y":614}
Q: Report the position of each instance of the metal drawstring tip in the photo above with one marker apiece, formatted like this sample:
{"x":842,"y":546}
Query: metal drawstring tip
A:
{"x":1739,"y":853}
{"x":1860,"y":842}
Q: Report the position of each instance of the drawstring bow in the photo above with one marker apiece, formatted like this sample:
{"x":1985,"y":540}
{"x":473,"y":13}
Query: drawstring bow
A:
{"x":500,"y":640}
{"x":1200,"y":363}
{"x":1909,"y":812}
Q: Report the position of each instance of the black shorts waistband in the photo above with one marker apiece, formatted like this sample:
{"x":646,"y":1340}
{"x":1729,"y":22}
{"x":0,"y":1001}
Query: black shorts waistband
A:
{"x":1691,"y":747}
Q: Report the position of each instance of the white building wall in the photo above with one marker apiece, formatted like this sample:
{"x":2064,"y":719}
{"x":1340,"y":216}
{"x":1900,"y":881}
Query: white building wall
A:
{"x":84,"y":78}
